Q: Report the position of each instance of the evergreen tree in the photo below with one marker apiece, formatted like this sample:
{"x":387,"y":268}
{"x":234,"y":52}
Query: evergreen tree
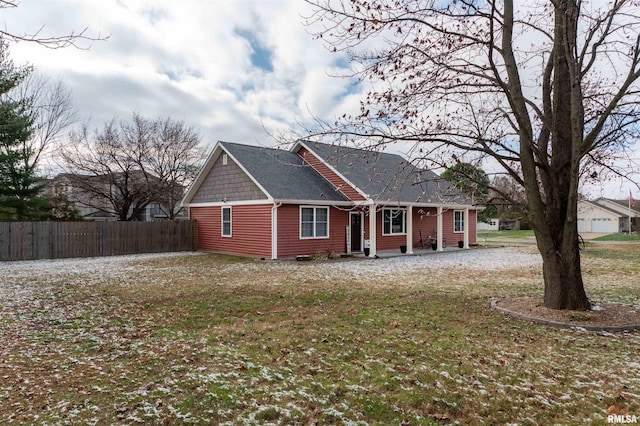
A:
{"x":20,"y":185}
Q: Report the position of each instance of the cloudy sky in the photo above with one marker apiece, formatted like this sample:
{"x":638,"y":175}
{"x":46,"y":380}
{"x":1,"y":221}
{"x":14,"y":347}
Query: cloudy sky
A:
{"x":235,"y":69}
{"x":231,"y":68}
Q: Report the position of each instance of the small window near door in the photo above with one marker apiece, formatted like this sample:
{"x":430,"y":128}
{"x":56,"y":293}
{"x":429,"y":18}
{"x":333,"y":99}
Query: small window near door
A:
{"x":226,"y":221}
{"x":458,"y":221}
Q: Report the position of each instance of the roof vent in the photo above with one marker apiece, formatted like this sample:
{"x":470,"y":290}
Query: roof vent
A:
{"x":225,"y":158}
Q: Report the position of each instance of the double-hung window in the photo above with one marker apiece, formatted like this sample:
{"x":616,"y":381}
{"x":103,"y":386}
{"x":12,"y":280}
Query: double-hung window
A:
{"x":394,"y":221}
{"x":458,"y":221}
{"x":314,"y":222}
{"x":226,"y":221}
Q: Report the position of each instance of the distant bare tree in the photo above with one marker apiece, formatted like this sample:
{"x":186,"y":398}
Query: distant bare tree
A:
{"x":103,"y":171}
{"x":508,"y":196}
{"x":174,"y":156}
{"x":74,"y":38}
{"x":51,"y":109}
{"x":127,"y":165}
{"x":44,"y":111}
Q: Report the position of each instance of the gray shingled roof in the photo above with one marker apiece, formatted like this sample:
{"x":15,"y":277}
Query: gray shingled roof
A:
{"x":387,"y":177}
{"x":283,"y":174}
{"x":622,"y":203}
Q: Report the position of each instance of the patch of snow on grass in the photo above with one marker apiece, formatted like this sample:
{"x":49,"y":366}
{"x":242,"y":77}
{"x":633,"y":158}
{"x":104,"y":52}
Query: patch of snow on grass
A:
{"x":20,"y":280}
{"x":467,"y":260}
{"x":490,"y":259}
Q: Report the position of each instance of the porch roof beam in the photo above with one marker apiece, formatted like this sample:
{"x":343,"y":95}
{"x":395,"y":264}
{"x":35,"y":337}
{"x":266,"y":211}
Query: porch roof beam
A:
{"x":427,"y":205}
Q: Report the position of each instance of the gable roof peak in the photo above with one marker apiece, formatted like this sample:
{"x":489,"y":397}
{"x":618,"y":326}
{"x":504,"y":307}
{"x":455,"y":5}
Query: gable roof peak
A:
{"x":384,"y":177}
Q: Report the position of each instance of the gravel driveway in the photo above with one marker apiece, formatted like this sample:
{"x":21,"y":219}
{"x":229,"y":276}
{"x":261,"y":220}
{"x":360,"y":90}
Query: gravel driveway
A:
{"x":40,"y":279}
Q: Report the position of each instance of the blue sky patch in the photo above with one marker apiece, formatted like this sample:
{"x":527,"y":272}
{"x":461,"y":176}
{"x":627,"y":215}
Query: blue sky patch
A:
{"x":261,"y":57}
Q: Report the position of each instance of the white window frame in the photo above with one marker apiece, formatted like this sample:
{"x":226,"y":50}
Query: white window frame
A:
{"x":456,"y":221}
{"x":391,"y":213}
{"x":315,"y":223}
{"x":222,"y":221}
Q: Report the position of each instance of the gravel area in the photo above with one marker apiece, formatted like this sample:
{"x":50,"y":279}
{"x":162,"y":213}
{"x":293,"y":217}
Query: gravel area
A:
{"x":20,"y":281}
{"x":476,"y":259}
{"x":27,"y":268}
{"x":481,"y":259}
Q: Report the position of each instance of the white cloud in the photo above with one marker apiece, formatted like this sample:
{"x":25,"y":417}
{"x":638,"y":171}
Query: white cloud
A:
{"x":189,"y":60}
{"x":181,"y":59}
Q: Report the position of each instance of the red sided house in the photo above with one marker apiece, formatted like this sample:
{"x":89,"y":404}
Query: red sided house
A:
{"x":315,"y":198}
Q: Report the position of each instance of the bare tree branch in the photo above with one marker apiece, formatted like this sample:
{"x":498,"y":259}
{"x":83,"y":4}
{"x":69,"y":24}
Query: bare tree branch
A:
{"x":127,"y":165}
{"x":78,"y":39}
{"x":542,"y":90}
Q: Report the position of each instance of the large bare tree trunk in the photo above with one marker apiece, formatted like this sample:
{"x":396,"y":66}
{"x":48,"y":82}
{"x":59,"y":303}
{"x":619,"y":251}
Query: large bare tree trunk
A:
{"x":540,"y":105}
{"x":556,"y":227}
{"x":563,"y":285}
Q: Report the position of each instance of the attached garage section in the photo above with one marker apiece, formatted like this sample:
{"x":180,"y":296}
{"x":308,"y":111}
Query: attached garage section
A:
{"x":584,"y":225}
{"x":596,"y":218}
{"x":598,"y":224}
{"x":602,"y":224}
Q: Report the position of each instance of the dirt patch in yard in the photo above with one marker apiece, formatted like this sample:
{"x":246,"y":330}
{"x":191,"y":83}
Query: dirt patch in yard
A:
{"x":604,"y":316}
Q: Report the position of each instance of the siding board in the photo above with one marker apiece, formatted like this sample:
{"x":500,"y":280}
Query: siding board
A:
{"x":290,"y":244}
{"x":340,"y":184}
{"x":250,"y":229}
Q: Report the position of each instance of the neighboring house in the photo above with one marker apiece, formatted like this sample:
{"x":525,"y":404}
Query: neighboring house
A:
{"x":92,"y":207}
{"x":319,"y":198}
{"x":62,"y":185}
{"x":607,"y":215}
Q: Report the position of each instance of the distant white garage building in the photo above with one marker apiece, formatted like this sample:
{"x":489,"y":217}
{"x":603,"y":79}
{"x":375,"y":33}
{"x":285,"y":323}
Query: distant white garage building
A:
{"x":490,"y":225}
{"x":605,"y":215}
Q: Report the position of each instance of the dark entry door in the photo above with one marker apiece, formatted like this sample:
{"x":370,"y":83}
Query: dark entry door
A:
{"x":356,"y":231}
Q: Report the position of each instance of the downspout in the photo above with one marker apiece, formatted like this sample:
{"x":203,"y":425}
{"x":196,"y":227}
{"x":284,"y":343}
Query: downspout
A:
{"x":274,"y":230}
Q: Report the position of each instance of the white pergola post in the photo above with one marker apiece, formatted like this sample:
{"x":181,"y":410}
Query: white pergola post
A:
{"x":466,"y":228}
{"x":409,"y":230}
{"x":372,"y":230}
{"x":439,"y":229}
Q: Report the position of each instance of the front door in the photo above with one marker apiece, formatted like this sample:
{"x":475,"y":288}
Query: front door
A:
{"x":355,"y":226}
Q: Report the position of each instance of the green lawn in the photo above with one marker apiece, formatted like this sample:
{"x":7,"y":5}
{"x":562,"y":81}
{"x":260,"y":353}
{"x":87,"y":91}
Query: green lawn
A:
{"x":619,"y":237}
{"x":207,"y":339}
{"x":505,"y":234}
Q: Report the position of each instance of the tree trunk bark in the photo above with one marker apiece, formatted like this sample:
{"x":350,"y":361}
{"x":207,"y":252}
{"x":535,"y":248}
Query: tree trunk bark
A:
{"x":563,"y":285}
{"x":555,"y":213}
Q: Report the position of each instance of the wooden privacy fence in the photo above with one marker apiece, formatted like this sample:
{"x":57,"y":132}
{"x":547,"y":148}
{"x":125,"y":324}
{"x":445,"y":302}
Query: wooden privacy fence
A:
{"x":52,"y":240}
